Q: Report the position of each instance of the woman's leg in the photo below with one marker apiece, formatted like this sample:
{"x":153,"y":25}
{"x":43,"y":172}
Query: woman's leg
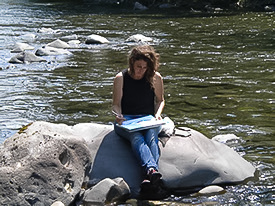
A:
{"x":139,"y":147}
{"x":151,"y":139}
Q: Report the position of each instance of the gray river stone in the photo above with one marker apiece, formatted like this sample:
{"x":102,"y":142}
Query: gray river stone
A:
{"x":139,"y":38}
{"x":20,"y":47}
{"x":107,"y":191}
{"x":51,"y":51}
{"x":26,"y":57}
{"x":59,"y":44}
{"x":96,"y":39}
{"x":49,"y":162}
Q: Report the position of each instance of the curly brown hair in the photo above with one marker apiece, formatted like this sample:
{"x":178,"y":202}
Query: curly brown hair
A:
{"x":149,"y":55}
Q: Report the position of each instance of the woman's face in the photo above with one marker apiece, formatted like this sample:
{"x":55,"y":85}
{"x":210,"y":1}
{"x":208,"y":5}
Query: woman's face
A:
{"x":140,"y":67}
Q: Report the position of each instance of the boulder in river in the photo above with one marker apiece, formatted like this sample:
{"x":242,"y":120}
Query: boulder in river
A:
{"x":139,"y":38}
{"x":47,"y":162}
{"x":51,"y":51}
{"x":96,"y":39}
{"x":189,"y":159}
{"x":26,"y":57}
{"x":20,"y":47}
{"x":58,"y":44}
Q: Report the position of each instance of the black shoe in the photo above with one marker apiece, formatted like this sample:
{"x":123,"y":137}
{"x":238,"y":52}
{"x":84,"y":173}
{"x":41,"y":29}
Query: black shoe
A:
{"x":154,"y":176}
{"x":145,"y":186}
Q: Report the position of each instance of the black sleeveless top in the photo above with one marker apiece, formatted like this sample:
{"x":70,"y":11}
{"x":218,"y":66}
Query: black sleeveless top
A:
{"x":138,"y":96}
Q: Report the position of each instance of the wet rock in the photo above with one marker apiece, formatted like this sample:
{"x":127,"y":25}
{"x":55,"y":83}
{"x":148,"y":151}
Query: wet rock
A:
{"x":139,"y":38}
{"x":107,"y":191}
{"x":51,"y":51}
{"x":25,"y":57}
{"x":58,"y":44}
{"x":19,"y":47}
{"x":41,"y":164}
{"x":211,"y":190}
{"x":224,"y":138}
{"x":96,"y":39}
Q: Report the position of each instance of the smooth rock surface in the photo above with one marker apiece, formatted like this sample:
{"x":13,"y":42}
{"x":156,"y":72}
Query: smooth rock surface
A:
{"x":96,"y":39}
{"x":211,"y":190}
{"x":194,"y":160}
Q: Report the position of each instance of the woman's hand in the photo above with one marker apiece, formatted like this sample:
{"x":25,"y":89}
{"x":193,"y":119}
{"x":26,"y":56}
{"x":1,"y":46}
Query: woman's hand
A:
{"x":158,"y":117}
{"x":120,"y":119}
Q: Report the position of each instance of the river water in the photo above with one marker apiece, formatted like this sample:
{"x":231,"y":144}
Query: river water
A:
{"x":218,"y":73}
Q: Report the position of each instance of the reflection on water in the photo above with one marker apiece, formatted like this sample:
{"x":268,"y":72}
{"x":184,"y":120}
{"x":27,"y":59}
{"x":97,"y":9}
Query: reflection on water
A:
{"x":218,"y":73}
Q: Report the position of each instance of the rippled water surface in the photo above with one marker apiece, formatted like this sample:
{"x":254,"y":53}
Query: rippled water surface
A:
{"x":218,"y":73}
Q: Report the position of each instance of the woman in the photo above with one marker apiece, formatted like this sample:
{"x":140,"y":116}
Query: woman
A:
{"x":138,"y":91}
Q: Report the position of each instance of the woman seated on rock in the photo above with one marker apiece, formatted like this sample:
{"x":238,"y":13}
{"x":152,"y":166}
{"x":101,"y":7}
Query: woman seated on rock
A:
{"x":138,"y":91}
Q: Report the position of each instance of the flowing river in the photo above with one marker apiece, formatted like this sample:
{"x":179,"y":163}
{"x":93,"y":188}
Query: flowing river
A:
{"x":218,"y":73}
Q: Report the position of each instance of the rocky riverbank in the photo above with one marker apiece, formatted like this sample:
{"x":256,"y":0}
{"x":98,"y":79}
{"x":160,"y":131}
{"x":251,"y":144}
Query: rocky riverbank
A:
{"x":199,"y":6}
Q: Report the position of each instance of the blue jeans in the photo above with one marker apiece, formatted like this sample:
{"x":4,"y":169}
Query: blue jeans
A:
{"x":144,"y":144}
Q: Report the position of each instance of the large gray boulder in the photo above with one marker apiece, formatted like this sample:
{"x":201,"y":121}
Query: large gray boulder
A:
{"x":47,"y":162}
{"x":189,"y":159}
{"x":42,"y":164}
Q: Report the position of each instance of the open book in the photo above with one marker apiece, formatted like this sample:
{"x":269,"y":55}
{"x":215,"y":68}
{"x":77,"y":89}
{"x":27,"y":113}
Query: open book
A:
{"x":141,"y":123}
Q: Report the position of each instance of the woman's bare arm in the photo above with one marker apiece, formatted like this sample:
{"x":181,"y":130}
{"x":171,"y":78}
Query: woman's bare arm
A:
{"x":117,"y":96}
{"x":159,"y":92}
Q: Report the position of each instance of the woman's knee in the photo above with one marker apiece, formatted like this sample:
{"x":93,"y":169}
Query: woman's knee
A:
{"x":136,"y":139}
